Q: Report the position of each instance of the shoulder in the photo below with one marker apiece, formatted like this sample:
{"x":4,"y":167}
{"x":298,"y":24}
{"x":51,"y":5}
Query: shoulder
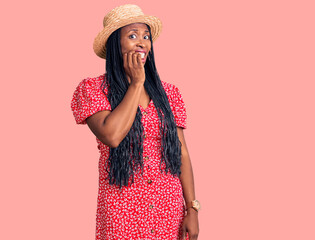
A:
{"x":171,"y":90}
{"x":168,"y":86}
{"x":91,"y":83}
{"x":176,"y":103}
{"x":89,"y":98}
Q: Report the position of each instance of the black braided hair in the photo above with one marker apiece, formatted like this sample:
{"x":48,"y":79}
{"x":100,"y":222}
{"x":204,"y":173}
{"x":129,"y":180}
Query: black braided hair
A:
{"x":127,"y":158}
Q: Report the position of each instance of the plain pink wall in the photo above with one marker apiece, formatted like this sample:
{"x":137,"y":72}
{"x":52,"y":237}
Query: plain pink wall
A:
{"x":246,"y":72}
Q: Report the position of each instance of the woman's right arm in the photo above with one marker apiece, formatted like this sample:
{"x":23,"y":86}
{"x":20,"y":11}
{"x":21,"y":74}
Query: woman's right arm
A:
{"x":111,"y":127}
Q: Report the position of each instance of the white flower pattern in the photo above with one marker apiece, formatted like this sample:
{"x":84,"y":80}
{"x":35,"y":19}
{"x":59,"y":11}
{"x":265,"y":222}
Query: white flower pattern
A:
{"x":153,"y":207}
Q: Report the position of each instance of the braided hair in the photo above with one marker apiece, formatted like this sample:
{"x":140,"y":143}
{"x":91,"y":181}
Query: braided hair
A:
{"x":127,"y":157}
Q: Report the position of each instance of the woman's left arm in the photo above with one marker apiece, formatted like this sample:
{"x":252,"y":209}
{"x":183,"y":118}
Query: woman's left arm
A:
{"x":190,"y":223}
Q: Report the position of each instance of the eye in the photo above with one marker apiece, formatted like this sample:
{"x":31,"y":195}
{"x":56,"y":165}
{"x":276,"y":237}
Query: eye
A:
{"x":148,"y":36}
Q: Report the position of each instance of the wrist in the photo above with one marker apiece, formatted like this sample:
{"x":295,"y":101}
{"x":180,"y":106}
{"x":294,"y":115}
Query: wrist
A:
{"x":136,"y":84}
{"x":194,"y":204}
{"x":191,"y":211}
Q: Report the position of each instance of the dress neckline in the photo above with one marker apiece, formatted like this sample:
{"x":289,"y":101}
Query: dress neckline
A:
{"x":147,"y":106}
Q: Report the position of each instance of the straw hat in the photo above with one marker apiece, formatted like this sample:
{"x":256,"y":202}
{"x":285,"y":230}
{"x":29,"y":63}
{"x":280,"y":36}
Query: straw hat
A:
{"x":121,"y":16}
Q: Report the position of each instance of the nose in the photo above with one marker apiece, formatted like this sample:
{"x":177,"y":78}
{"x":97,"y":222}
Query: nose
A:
{"x":140,"y":44}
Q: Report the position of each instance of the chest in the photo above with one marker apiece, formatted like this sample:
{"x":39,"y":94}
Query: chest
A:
{"x":150,"y":121}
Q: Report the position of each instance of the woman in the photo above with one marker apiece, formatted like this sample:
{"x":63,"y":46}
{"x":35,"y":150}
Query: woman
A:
{"x":138,"y":120}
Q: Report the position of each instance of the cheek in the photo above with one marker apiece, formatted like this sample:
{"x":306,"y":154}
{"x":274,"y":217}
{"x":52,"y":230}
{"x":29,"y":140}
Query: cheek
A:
{"x":126,"y":46}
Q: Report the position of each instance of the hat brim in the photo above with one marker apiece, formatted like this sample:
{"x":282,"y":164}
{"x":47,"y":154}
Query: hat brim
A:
{"x":101,"y":38}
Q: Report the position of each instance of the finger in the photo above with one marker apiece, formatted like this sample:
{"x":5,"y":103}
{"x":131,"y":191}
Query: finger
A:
{"x":136,"y":63}
{"x":134,"y":59}
{"x":130,"y":59}
{"x":140,"y":63}
{"x":125,"y":59}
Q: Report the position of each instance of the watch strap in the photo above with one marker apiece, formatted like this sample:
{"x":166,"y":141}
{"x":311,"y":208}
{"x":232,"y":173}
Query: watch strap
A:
{"x":190,"y":205}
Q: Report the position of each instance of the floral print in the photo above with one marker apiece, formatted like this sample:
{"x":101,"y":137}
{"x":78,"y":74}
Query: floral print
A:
{"x":152,"y":207}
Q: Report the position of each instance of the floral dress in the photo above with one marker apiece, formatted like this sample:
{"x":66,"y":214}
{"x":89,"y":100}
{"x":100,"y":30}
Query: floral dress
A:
{"x":153,"y":207}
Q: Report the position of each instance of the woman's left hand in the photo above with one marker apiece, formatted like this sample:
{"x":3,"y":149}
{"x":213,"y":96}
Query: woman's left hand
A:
{"x":190,"y":224}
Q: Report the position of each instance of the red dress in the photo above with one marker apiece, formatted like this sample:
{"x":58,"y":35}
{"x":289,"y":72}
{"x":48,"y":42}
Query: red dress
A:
{"x":153,"y":207}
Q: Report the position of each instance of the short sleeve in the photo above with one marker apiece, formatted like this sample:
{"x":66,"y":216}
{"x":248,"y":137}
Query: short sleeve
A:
{"x":179,"y":108}
{"x":88,"y":98}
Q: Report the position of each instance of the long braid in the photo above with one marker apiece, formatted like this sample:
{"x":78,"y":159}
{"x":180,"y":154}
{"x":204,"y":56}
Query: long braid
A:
{"x":127,"y":157}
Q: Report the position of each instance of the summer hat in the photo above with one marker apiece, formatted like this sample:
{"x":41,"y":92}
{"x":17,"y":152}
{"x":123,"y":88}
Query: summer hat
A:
{"x":121,"y":16}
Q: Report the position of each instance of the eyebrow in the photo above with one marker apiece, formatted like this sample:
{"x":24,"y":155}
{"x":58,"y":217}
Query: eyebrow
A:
{"x":136,"y":30}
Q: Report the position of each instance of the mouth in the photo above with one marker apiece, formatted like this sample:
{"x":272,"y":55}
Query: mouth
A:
{"x":142,"y":53}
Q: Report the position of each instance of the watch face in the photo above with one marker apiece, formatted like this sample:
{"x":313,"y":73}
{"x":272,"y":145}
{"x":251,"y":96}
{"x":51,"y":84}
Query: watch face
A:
{"x":196,"y":204}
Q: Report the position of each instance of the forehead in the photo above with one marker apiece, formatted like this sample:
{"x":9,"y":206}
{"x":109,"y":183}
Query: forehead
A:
{"x":135,"y":26}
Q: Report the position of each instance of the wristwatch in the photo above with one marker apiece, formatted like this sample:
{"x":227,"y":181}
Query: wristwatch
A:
{"x":195,"y":204}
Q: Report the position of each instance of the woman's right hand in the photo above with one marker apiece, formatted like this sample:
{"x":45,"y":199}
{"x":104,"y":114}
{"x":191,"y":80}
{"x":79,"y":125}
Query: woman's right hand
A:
{"x":134,"y":67}
{"x":112,"y":126}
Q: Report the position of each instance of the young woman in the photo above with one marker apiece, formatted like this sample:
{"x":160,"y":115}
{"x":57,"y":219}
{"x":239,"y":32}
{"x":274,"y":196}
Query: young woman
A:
{"x":146,"y":186}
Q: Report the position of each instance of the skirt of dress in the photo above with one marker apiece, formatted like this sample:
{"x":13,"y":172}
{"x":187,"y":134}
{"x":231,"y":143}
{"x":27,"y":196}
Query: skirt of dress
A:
{"x":151,"y":208}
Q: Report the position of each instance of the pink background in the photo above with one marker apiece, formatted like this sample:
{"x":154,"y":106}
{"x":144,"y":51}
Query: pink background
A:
{"x":246,"y":72}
